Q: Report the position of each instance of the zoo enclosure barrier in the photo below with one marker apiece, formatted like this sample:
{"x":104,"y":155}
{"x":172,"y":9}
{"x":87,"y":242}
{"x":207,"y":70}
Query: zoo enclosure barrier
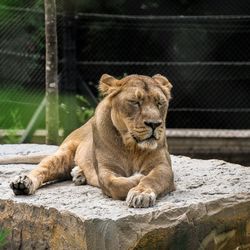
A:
{"x":205,"y":57}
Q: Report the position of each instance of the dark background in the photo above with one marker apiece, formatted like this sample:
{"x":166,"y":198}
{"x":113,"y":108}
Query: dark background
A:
{"x":201,"y":46}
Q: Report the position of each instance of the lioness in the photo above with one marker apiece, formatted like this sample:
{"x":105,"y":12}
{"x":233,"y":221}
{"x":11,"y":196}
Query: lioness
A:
{"x":122,"y":149}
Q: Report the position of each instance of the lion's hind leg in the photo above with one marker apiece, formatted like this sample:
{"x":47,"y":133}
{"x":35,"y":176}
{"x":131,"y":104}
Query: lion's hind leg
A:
{"x":78,"y":176}
{"x":52,"y":168}
{"x":22,"y":185}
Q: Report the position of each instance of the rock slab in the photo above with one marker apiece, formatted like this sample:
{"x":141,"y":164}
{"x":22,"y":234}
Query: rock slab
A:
{"x":210,"y":209}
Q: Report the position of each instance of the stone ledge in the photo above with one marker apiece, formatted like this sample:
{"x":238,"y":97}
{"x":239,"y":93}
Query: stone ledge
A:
{"x":209,"y":133}
{"x":209,"y":210}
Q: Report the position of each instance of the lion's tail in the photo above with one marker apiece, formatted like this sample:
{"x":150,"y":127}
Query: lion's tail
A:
{"x":23,"y":159}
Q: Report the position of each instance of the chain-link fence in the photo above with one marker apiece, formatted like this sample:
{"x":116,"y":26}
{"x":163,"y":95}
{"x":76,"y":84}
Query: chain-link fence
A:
{"x":21,"y":63}
{"x":206,"y":58}
{"x":203,"y":50}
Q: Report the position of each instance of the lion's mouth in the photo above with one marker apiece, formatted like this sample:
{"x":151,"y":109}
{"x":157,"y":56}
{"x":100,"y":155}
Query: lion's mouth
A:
{"x":148,"y":139}
{"x":149,"y":143}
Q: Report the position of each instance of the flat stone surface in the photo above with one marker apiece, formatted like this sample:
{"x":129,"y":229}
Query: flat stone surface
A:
{"x":204,"y":188}
{"x":209,"y":133}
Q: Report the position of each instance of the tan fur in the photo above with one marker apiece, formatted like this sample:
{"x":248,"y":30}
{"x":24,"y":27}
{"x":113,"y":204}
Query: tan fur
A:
{"x":122,"y":149}
{"x":23,"y":159}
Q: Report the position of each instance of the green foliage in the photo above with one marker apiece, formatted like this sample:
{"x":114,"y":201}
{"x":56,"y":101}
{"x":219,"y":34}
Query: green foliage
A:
{"x":18,"y":105}
{"x":75,"y":110}
{"x":22,"y":26}
{"x":25,"y":18}
{"x":84,"y":110}
{"x":12,"y":136}
{"x":10,"y":9}
{"x":3,"y":237}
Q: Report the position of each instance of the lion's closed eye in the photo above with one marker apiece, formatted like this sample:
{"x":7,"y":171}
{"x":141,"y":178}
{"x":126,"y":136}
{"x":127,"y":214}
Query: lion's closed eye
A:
{"x":134,"y":103}
{"x":160,"y":102}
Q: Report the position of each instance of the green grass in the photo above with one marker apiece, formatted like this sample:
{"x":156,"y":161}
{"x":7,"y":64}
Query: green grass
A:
{"x":17,"y":106}
{"x":3,"y":237}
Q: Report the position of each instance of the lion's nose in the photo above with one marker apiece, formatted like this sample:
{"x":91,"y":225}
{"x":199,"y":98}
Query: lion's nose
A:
{"x":153,"y":124}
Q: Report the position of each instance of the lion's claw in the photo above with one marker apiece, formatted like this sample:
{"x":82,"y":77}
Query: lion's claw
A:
{"x":139,"y":199}
{"x":22,"y":185}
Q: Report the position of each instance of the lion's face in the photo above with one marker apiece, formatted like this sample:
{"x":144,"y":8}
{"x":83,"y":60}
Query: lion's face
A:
{"x":139,"y":108}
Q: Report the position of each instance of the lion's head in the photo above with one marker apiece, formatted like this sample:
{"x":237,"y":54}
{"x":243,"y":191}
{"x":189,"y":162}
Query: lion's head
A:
{"x":138,"y":108}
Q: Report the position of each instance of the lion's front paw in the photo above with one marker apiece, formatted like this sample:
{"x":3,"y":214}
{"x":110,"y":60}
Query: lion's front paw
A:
{"x":22,"y":185}
{"x":140,"y":198}
{"x":78,"y":176}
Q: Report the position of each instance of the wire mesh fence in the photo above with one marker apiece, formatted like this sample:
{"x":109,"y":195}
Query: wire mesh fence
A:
{"x":205,"y":56}
{"x":21,"y":61}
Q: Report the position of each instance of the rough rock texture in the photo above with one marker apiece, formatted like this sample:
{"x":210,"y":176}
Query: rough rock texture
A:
{"x":209,"y":210}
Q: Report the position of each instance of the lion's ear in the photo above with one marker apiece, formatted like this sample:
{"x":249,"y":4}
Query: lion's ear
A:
{"x":107,"y":84}
{"x":165,"y":84}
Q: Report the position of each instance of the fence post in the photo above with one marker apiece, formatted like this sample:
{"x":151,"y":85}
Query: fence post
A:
{"x":52,"y":113}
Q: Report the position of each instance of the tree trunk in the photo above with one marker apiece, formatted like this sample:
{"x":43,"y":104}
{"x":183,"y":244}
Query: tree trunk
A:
{"x":52,"y":113}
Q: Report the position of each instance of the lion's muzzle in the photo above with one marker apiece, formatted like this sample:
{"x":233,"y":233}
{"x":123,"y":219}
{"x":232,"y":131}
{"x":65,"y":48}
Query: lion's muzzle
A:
{"x":153,"y":124}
